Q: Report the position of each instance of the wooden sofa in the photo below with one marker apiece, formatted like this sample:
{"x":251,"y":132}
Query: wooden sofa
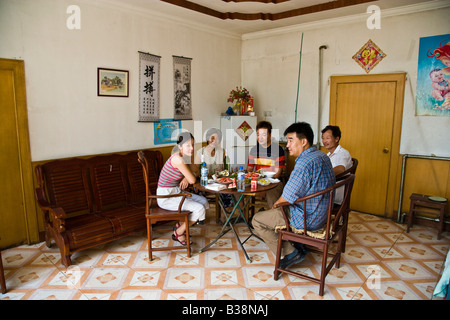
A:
{"x":88,"y":202}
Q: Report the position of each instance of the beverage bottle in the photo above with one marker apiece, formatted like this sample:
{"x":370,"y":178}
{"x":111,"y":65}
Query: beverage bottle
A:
{"x":226,"y":162}
{"x":241,"y":180}
{"x":204,"y":175}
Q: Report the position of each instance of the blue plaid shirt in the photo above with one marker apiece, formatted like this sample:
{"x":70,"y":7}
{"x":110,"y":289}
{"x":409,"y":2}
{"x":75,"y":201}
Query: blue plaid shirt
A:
{"x":312,"y":172}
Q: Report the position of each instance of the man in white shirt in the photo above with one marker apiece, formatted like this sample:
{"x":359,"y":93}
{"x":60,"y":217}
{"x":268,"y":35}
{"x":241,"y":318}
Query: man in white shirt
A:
{"x":340,"y":158}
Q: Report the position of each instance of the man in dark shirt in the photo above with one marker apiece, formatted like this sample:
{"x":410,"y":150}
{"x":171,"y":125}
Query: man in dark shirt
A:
{"x":267,"y":155}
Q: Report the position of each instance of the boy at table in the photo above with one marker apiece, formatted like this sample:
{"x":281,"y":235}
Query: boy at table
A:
{"x":267,"y":155}
{"x":312,"y":172}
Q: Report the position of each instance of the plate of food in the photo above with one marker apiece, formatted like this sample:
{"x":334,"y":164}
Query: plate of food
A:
{"x":224,"y":180}
{"x":263,"y":182}
{"x":251,"y":175}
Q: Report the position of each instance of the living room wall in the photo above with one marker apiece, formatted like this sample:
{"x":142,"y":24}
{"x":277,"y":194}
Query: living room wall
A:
{"x":66,"y":117}
{"x":270,"y":69}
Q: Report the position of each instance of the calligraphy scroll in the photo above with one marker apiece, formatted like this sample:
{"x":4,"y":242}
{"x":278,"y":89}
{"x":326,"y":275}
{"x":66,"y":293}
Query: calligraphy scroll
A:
{"x":149,"y":66}
{"x":182,"y":88}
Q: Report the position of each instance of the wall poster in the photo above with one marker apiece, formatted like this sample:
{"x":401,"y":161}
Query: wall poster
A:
{"x":166,"y":131}
{"x":182,"y":88}
{"x":149,"y":66}
{"x":433,"y":74}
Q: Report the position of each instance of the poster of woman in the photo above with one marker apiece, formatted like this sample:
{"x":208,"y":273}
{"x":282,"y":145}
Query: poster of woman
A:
{"x":433,"y":76}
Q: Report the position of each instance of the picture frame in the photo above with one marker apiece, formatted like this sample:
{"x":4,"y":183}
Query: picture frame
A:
{"x":112,"y":82}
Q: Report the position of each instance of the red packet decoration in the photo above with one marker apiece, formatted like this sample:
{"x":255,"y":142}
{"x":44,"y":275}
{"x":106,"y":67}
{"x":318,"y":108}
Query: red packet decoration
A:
{"x":244,"y":130}
{"x":369,"y":56}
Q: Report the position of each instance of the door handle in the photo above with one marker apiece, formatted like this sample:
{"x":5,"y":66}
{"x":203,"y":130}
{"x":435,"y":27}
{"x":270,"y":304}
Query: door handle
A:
{"x":385,"y":150}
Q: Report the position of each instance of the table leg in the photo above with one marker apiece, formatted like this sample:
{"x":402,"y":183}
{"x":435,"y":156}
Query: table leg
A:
{"x":228,"y":223}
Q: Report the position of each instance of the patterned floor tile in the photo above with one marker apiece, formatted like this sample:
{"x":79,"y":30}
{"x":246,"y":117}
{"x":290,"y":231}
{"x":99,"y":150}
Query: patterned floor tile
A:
{"x":394,"y":290}
{"x":184,"y":278}
{"x":381,"y":262}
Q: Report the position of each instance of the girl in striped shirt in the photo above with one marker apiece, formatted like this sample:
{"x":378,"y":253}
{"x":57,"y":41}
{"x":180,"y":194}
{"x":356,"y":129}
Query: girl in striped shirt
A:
{"x":176,"y":176}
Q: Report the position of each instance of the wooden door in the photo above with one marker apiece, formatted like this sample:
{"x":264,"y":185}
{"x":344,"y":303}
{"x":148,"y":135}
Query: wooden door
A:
{"x":18,"y":223}
{"x":368,"y":109}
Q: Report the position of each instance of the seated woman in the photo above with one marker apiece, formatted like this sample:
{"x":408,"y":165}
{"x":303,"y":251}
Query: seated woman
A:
{"x":213,"y":155}
{"x":175,"y":176}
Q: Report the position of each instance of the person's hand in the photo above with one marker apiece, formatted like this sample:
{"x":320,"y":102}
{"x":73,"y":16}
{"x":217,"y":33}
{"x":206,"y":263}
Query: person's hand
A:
{"x":184,"y":184}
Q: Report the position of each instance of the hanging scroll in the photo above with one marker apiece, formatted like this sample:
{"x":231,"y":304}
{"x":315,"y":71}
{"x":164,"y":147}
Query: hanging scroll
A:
{"x":149,"y":66}
{"x":182,"y":88}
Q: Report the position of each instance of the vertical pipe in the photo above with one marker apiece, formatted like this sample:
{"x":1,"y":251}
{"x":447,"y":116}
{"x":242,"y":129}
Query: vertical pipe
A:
{"x":298,"y":82}
{"x":319,"y":103}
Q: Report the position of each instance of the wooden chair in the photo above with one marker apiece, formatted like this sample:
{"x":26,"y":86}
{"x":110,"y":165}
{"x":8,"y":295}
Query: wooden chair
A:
{"x":155,"y":214}
{"x":351,"y":170}
{"x":321,"y":239}
{"x":2,"y":277}
{"x":339,"y":177}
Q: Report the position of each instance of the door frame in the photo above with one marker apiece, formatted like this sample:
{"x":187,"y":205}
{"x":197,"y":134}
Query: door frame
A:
{"x":17,"y":67}
{"x":395,"y":159}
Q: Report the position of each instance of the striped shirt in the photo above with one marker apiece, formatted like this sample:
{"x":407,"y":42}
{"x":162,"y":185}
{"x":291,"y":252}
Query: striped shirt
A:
{"x":269,"y":159}
{"x":169,"y":176}
{"x":313,"y":172}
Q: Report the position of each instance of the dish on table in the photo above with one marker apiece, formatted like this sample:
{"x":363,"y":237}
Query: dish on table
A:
{"x":437,"y":199}
{"x":224,"y":180}
{"x":252,"y":175}
{"x":263,"y":182}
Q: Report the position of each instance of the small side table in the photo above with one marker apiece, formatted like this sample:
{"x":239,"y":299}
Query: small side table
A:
{"x":420,"y":200}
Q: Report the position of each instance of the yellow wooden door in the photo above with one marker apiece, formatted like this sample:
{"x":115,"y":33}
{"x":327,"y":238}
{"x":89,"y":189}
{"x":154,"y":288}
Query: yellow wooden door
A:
{"x":18,"y":223}
{"x":368,"y":110}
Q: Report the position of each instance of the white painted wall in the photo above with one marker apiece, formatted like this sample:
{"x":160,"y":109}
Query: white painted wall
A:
{"x":270,"y":64}
{"x":66,"y":117}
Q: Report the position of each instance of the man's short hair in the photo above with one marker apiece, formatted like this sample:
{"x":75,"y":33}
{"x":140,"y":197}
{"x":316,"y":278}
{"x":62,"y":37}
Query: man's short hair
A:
{"x":264,"y":125}
{"x":335,"y":131}
{"x":302,"y":130}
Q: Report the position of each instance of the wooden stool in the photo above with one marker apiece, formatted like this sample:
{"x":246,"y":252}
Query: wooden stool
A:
{"x":2,"y":276}
{"x":421,"y":200}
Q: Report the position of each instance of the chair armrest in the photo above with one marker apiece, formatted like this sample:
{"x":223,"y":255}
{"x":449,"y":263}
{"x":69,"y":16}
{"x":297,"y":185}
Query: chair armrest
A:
{"x":181,"y":194}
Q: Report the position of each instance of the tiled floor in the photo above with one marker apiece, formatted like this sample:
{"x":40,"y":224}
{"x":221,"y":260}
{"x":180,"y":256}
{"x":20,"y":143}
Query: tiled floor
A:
{"x":381,"y":262}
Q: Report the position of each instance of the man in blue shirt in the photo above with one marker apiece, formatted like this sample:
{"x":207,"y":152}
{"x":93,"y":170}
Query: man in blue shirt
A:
{"x":312,"y":172}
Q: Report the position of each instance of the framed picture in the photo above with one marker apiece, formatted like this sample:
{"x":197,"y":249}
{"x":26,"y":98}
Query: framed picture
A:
{"x":112,"y":82}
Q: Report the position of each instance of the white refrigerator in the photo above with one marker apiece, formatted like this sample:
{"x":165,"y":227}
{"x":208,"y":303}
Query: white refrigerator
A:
{"x":238,"y":137}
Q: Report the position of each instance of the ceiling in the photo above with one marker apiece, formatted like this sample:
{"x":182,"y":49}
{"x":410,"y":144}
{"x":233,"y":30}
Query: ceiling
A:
{"x":246,"y":16}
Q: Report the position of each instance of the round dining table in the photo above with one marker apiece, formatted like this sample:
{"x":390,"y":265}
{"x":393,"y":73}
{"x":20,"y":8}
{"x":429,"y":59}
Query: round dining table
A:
{"x":242,"y":197}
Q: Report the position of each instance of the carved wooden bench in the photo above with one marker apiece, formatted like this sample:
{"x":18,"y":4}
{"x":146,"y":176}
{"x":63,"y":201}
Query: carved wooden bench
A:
{"x":88,"y":202}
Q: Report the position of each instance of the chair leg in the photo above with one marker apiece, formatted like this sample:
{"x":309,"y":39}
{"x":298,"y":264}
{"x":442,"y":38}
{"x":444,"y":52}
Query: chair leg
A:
{"x":2,"y":277}
{"x":276,"y":273}
{"x":410,"y":216}
{"x":441,"y":222}
{"x":188,"y":240}
{"x":149,"y":239}
{"x":323,"y":272}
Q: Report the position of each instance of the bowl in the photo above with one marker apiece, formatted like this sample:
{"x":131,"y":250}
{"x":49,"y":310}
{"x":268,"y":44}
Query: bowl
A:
{"x":263,"y":182}
{"x":269,"y":174}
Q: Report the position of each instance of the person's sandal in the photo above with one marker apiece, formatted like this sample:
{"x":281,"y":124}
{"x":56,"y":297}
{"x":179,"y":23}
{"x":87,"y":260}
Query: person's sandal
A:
{"x":175,"y":237}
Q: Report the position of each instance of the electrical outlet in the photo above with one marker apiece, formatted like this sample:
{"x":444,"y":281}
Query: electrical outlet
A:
{"x":267,"y":113}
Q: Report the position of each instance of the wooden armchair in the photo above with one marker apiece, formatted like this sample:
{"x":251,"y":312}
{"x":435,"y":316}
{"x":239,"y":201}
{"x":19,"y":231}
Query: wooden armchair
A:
{"x":351,"y":170}
{"x":339,"y":177}
{"x":155,"y":214}
{"x":322,"y":239}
